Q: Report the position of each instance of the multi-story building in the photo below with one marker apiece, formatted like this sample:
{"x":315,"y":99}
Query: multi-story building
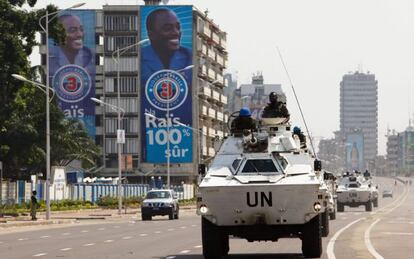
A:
{"x":392,"y":163}
{"x":256,"y":95}
{"x":359,"y":118}
{"x":119,"y":26}
{"x":332,"y":153}
{"x":406,"y":151}
{"x":232,"y":92}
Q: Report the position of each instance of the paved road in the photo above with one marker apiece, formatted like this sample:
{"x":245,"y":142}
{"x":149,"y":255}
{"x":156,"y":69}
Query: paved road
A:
{"x":387,"y":232}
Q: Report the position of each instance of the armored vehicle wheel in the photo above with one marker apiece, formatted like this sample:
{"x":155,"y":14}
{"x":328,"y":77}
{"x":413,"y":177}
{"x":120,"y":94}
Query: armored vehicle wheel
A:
{"x":225,"y":244}
{"x":215,"y":243}
{"x":340,"y":207}
{"x":368,"y":206}
{"x":375,"y":202}
{"x":325,"y":223}
{"x":312,"y":238}
{"x":332,"y":215}
{"x":145,"y":217}
{"x":176,"y":213}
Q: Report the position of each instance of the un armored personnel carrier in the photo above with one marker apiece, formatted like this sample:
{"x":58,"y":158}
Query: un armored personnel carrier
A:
{"x":355,"y":190}
{"x":262,"y":186}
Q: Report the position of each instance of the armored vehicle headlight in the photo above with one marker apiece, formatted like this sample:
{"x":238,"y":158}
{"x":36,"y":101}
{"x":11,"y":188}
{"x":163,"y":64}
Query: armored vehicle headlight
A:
{"x":203,"y":209}
{"x":317,"y":206}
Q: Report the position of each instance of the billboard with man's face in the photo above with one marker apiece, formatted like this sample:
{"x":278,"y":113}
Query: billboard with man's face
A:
{"x":166,"y":83}
{"x":72,"y":67}
{"x":355,"y":152}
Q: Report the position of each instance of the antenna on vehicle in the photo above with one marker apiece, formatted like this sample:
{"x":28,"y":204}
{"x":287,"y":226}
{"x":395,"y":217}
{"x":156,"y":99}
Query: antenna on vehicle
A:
{"x":297,"y":101}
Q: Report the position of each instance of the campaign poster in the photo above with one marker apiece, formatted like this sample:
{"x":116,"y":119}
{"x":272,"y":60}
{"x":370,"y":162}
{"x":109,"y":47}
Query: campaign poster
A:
{"x":166,"y":73}
{"x":355,"y":152}
{"x":72,"y":67}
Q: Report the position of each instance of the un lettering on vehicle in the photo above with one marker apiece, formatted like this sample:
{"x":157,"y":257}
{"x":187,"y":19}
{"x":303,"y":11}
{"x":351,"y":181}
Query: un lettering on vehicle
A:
{"x":262,"y":199}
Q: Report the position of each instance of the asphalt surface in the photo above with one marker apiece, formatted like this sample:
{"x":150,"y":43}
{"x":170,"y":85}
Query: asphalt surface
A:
{"x":387,"y":232}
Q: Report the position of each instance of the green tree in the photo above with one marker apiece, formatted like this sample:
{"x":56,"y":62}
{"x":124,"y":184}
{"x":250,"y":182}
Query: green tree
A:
{"x":22,"y":109}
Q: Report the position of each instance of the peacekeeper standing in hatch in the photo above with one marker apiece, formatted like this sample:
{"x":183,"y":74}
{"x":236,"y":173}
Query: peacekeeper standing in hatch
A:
{"x":275,"y":109}
{"x":243,"y":122}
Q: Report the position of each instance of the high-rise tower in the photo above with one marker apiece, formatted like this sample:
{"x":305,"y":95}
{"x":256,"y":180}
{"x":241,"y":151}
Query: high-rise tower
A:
{"x":359,"y":118}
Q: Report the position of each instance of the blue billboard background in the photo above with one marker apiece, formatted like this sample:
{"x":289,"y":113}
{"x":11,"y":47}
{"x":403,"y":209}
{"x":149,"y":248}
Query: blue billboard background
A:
{"x":355,"y":152}
{"x":167,"y":89}
{"x":72,"y":67}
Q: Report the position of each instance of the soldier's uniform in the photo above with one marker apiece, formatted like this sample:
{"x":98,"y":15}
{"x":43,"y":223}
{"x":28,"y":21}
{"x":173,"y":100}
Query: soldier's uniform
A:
{"x":275,"y":109}
{"x":243,"y":122}
{"x":33,"y":205}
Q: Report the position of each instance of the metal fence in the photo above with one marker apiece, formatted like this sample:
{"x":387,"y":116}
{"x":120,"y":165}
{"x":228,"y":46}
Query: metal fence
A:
{"x":20,"y":191}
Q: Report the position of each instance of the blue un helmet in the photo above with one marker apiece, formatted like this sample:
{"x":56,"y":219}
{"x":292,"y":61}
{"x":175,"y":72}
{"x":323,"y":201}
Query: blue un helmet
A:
{"x":296,"y":130}
{"x":245,"y":112}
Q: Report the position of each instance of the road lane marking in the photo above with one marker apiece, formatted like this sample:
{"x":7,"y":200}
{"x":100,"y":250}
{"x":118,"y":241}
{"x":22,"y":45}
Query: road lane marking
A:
{"x":90,"y":244}
{"x":331,"y":245}
{"x":66,"y":234}
{"x":157,"y":232}
{"x":199,"y":246}
{"x":368,"y":243}
{"x":194,"y":225}
{"x":143,"y":235}
{"x":171,"y":229}
{"x":185,"y":252}
{"x":170,"y":257}
{"x":183,"y":227}
{"x":100,"y":229}
{"x":109,"y":241}
{"x":1,"y":242}
{"x":22,"y":239}
{"x":66,"y":249}
{"x":41,"y":254}
{"x":127,"y":237}
{"x":398,"y":233}
{"x":44,"y":236}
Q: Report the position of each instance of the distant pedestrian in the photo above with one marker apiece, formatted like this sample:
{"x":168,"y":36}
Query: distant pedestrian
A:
{"x":33,"y":205}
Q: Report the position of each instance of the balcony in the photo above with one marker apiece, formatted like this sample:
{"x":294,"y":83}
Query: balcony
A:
{"x":205,"y":91}
{"x":203,"y":29}
{"x":204,"y":151}
{"x":220,"y":133}
{"x":216,"y":96}
{"x":204,"y":111}
{"x":220,"y":116}
{"x":211,"y":151}
{"x":211,"y":74}
{"x":223,"y":99}
{"x":211,"y":132}
{"x":211,"y":113}
{"x":215,"y":37}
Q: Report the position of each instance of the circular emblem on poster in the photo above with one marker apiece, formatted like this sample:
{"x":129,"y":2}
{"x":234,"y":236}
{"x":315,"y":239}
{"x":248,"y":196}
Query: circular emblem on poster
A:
{"x":72,"y":83}
{"x":166,"y":89}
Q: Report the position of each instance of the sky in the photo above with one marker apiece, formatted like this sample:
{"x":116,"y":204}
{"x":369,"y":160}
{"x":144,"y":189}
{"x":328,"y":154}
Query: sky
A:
{"x":320,"y":41}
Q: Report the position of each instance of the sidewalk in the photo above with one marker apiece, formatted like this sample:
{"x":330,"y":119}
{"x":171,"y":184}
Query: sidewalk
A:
{"x":73,"y":216}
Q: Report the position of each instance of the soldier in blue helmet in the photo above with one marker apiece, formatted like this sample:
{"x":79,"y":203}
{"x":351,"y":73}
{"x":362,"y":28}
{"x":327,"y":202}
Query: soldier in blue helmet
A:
{"x":243,"y":122}
{"x":302,"y":137}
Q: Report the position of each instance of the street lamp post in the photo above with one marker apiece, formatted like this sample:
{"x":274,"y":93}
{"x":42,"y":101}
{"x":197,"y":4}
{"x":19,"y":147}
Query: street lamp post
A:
{"x":168,"y":129}
{"x":118,"y":53}
{"x":120,"y":140}
{"x":46,"y":30}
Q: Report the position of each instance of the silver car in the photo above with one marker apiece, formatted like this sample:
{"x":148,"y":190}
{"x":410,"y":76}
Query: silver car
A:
{"x":160,"y":202}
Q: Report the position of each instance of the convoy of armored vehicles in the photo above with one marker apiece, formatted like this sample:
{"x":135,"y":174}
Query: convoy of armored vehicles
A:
{"x":265,"y":184}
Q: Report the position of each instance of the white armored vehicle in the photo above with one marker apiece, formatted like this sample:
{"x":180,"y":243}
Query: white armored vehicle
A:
{"x":355,"y":190}
{"x":262,"y":186}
